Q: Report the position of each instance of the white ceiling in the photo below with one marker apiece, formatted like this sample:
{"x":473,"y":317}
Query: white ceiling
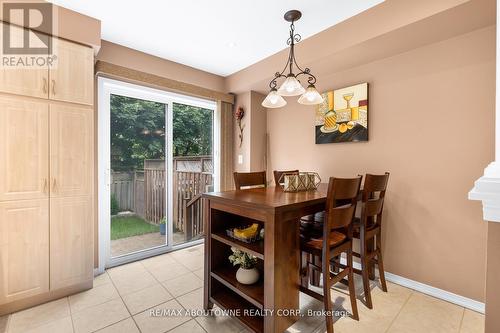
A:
{"x":218,"y":36}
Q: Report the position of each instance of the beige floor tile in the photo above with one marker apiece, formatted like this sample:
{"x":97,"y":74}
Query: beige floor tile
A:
{"x":307,"y":323}
{"x":149,"y":323}
{"x":183,"y":284}
{"x":192,"y":300}
{"x":63,"y":325}
{"x":190,"y":327}
{"x":135,"y":280}
{"x":4,"y":320}
{"x":39,"y":315}
{"x":424,"y":314}
{"x":214,"y":324}
{"x":200,"y":273}
{"x":124,"y":326}
{"x":153,"y":262}
{"x":168,"y":271}
{"x":101,"y":280}
{"x":92,"y":297}
{"x":193,"y":262}
{"x":472,"y":322}
{"x":132,"y":268}
{"x":146,"y":298}
{"x":99,"y":316}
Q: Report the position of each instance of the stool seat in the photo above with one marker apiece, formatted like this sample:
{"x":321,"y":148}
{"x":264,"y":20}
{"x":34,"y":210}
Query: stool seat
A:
{"x":316,"y":244}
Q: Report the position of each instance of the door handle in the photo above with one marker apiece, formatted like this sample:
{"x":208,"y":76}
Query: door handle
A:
{"x":53,"y":87}
{"x":44,"y":85}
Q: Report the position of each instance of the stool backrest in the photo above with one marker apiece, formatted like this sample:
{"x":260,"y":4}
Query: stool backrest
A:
{"x":249,"y":179}
{"x":345,"y":191}
{"x":373,"y":199}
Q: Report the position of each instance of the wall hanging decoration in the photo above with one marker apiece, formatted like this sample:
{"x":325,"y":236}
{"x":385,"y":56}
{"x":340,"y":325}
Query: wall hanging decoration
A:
{"x":343,"y":115}
{"x":292,"y":86}
{"x":239,"y":114}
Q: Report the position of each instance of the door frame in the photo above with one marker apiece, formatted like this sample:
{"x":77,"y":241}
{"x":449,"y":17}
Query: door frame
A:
{"x":107,"y":87}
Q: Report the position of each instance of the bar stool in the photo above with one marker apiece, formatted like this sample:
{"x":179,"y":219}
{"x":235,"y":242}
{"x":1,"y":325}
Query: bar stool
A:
{"x":335,"y":240}
{"x":249,"y":179}
{"x":368,"y":229}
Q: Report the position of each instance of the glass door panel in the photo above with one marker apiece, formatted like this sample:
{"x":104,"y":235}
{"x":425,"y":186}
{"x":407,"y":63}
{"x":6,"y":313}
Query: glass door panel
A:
{"x":193,"y":168}
{"x":138,"y":175}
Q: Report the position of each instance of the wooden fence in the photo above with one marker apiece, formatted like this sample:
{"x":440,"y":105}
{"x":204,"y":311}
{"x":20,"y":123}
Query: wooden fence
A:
{"x":144,"y":192}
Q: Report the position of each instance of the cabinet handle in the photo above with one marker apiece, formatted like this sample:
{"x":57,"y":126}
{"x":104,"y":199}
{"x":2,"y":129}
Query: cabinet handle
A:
{"x":53,"y":87}
{"x":44,"y":85}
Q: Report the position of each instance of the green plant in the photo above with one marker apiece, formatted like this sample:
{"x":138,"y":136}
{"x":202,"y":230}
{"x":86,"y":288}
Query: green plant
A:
{"x":163,"y":220}
{"x":245,"y":260}
{"x":115,"y":208}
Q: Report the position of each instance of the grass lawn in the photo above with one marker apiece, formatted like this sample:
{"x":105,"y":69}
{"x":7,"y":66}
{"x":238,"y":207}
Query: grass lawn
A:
{"x":127,"y":226}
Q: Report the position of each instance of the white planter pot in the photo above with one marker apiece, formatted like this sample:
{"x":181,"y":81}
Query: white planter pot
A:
{"x":247,"y":276}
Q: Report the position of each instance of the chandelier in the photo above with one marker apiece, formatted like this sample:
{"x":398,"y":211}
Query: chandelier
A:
{"x":291,"y":86}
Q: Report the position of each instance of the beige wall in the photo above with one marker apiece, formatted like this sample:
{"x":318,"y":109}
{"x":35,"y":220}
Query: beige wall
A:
{"x":126,"y":57}
{"x":253,"y":148}
{"x":431,"y":125}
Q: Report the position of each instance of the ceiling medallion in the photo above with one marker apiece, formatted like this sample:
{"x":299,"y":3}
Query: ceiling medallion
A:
{"x":291,"y":85}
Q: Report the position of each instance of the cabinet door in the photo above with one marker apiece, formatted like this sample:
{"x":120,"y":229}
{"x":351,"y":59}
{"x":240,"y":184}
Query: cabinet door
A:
{"x":24,"y":152}
{"x":71,"y":241}
{"x":71,"y":149}
{"x":72,"y":76}
{"x":23,"y":80}
{"x":24,"y":249}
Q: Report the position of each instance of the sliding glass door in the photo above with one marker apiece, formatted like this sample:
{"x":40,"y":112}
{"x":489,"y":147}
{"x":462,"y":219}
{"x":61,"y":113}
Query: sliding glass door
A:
{"x":156,"y":158}
{"x":193,"y":168}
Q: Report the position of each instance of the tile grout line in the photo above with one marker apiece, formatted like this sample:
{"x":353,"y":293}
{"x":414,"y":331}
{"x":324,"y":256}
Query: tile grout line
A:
{"x":175,"y":298}
{"x":124,"y":304}
{"x":399,"y":312}
{"x":461,"y":320}
{"x":71,"y":314}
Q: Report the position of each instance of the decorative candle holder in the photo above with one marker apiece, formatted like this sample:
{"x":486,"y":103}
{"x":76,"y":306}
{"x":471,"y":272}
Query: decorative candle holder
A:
{"x":304,"y":181}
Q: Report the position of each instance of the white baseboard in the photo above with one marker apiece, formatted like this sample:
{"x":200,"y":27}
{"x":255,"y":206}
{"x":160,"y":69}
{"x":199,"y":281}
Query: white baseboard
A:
{"x":431,"y":291}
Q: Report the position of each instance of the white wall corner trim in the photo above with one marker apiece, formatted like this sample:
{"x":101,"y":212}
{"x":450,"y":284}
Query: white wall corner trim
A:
{"x":423,"y":288}
{"x":487,"y":190}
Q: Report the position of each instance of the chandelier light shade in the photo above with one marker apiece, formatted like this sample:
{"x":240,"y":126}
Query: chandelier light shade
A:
{"x":273,"y":100}
{"x":311,"y":96}
{"x":292,"y":86}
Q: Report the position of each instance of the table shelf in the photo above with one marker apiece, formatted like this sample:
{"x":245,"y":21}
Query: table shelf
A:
{"x":256,"y":248}
{"x":252,"y":293}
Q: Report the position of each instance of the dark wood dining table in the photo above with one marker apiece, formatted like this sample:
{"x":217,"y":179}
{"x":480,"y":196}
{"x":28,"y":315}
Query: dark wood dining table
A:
{"x":271,"y":304}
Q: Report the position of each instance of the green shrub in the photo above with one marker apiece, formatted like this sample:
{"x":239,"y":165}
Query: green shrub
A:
{"x":115,"y":208}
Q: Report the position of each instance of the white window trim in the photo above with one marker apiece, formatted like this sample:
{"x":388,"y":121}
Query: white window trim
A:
{"x":106,"y":87}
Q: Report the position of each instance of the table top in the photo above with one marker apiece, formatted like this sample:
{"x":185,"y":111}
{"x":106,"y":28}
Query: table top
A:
{"x":270,"y":197}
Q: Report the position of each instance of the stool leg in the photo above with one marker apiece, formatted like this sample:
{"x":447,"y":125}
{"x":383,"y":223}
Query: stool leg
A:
{"x":304,"y":271}
{"x":315,"y":274}
{"x":352,"y":289}
{"x":370,"y":247}
{"x":327,"y":298}
{"x":381,"y":271}
{"x":365,"y":273}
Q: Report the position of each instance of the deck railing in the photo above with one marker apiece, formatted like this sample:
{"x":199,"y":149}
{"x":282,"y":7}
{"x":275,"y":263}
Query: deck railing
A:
{"x":144,"y":192}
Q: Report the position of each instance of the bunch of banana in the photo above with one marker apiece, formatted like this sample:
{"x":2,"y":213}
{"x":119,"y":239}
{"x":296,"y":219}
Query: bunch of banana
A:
{"x":246,"y":233}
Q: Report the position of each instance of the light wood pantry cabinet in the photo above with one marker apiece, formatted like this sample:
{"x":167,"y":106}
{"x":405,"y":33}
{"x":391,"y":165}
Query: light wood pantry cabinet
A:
{"x":72,"y":76}
{"x":47,"y":179}
{"x":71,"y":259}
{"x":24,"y":249}
{"x":71,"y":150}
{"x":23,"y":81}
{"x":24,"y":149}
